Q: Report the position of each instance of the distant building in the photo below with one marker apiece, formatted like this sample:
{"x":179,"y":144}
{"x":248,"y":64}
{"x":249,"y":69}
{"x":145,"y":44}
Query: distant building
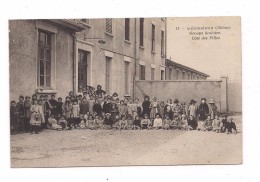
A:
{"x":176,"y":71}
{"x":57,"y":56}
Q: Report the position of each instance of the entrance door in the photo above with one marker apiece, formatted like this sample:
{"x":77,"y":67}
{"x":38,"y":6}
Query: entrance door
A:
{"x":82,"y":68}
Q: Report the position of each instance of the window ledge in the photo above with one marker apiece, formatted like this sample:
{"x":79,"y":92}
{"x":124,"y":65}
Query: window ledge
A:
{"x":46,"y":91}
{"x":109,"y":34}
{"x":153,"y":52}
{"x":127,"y":41}
{"x":141,"y":47}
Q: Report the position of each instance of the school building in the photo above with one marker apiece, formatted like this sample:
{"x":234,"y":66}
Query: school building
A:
{"x":57,"y":56}
{"x":177,"y":71}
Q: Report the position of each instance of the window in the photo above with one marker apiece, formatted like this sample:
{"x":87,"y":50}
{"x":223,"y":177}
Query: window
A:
{"x":142,"y":72}
{"x":109,"y":27}
{"x":177,"y":74}
{"x":82,"y":68}
{"x":127,"y":29}
{"x":198,"y":78}
{"x":152,"y":73}
{"x":183,"y":75}
{"x":153,"y":37}
{"x":127,"y":90}
{"x":162,"y":74}
{"x":108,"y":73}
{"x":189,"y":76}
{"x":142,"y":32}
{"x":44,"y":60}
{"x":162,"y":43}
{"x":170,"y":73}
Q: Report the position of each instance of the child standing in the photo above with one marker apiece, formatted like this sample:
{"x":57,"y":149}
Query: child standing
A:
{"x":41,"y":111}
{"x":97,"y":109}
{"x":122,"y":108}
{"x":68,"y":107}
{"x":75,"y":109}
{"x":21,"y":114}
{"x":84,"y":107}
{"x":59,"y":108}
{"x":224,"y":124}
{"x":35,"y":117}
{"x":13,"y":118}
{"x":91,"y":103}
{"x":27,"y":107}
{"x":161,"y":109}
{"x":146,"y":106}
{"x":154,"y":108}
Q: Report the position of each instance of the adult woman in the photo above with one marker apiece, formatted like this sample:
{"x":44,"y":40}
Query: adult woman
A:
{"x":203,"y":110}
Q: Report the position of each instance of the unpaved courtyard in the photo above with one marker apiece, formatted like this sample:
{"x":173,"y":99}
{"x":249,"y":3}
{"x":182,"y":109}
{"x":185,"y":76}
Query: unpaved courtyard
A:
{"x":117,"y":148}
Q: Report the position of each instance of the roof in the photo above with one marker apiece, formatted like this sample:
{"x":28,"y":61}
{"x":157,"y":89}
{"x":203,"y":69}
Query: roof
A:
{"x":173,"y":63}
{"x":74,"y":25}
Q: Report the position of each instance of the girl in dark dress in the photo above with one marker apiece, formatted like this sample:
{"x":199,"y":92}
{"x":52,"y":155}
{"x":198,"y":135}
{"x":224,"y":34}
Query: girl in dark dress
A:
{"x":146,"y":106}
{"x":203,"y":110}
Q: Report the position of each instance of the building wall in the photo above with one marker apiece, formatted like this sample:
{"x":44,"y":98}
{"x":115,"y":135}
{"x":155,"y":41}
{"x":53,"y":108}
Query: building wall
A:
{"x":23,"y":49}
{"x":122,"y":51}
{"x":184,"y":91}
{"x":234,"y":96}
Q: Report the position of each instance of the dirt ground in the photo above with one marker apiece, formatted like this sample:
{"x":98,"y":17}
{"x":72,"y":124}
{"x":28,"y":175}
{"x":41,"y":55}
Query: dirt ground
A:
{"x":117,"y":148}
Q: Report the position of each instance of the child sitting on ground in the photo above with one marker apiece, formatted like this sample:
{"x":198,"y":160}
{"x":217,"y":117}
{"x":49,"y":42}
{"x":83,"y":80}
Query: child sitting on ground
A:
{"x":122,"y":124}
{"x":108,"y":122}
{"x":183,"y":124}
{"x":224,"y":124}
{"x":146,"y":122}
{"x":166,"y":123}
{"x":99,"y":122}
{"x":129,"y":122}
{"x":91,"y":123}
{"x":137,"y":123}
{"x":208,"y":124}
{"x":216,"y":124}
{"x":158,"y":123}
{"x":53,"y":123}
{"x":83,"y":124}
{"x":63,"y":123}
{"x":174,"y":123}
{"x":201,"y":125}
{"x":192,"y":122}
{"x":231,"y":127}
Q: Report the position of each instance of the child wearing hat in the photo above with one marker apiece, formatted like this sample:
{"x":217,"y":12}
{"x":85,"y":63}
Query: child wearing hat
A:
{"x":213,"y":109}
{"x":193,"y":109}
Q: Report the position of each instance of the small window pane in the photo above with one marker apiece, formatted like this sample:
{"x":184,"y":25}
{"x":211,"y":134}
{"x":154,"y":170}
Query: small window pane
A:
{"x":48,"y":55}
{"x":41,"y":53}
{"x":41,"y":81}
{"x":48,"y":39}
{"x":48,"y":81}
{"x":41,"y":67}
{"x":42,"y":38}
{"x":48,"y":68}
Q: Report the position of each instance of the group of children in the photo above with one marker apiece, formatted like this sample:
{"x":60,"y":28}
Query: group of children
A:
{"x":95,"y":109}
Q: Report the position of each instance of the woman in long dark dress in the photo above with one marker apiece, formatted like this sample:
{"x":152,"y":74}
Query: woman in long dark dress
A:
{"x":203,"y":110}
{"x":146,"y":106}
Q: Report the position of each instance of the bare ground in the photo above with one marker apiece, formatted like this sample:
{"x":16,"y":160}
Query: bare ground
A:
{"x":117,"y":148}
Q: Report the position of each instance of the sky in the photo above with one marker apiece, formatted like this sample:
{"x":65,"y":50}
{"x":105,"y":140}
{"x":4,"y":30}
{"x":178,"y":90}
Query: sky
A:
{"x":215,"y":57}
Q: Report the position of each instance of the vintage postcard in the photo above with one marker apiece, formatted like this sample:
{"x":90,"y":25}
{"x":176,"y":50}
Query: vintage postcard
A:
{"x":125,"y":91}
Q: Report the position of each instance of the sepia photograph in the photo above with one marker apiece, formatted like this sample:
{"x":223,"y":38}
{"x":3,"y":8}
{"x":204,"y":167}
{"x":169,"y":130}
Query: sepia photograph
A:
{"x":151,"y":91}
